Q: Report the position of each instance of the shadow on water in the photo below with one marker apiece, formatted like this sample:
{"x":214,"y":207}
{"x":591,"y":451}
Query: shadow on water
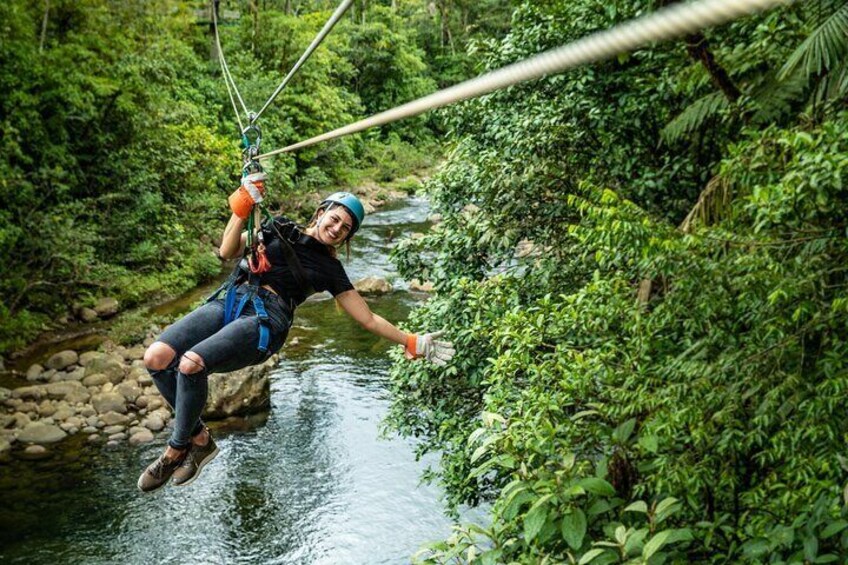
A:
{"x":309,"y":482}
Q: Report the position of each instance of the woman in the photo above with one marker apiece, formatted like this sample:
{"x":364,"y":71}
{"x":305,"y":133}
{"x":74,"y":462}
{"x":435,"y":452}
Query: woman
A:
{"x":252,"y":321}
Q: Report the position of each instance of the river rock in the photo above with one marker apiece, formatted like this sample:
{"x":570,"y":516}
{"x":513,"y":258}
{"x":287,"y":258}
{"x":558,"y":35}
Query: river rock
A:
{"x":419,"y":286}
{"x":39,"y":432}
{"x":34,"y":392}
{"x":372,"y":285}
{"x":136,"y":352}
{"x":154,"y":404}
{"x":153,"y":423}
{"x":120,"y":436}
{"x":139,"y":374}
{"x":62,"y":360}
{"x":74,"y":421}
{"x":113,"y":418}
{"x":46,"y":408}
{"x":86,"y":358}
{"x":129,"y":390}
{"x":246,"y":391}
{"x":21,"y":420}
{"x":34,"y":372}
{"x":87,"y":315}
{"x":71,"y":391}
{"x":109,"y":402}
{"x":141,"y":401}
{"x":74,"y":374}
{"x":142,"y":436}
{"x":63,"y":413}
{"x":35,"y":453}
{"x":111,"y":430}
{"x":5,"y":393}
{"x":108,"y":387}
{"x":109,"y":366}
{"x":106,"y":307}
{"x":87,"y":411}
{"x":97,"y":379}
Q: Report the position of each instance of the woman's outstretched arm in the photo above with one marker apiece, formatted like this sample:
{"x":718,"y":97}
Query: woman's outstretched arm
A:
{"x":415,"y":345}
{"x":353,"y":303}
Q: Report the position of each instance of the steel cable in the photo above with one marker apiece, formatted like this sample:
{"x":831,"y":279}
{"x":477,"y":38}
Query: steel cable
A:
{"x":668,"y":23}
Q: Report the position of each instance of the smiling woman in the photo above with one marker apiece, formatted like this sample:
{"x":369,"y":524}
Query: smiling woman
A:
{"x":251,"y":322}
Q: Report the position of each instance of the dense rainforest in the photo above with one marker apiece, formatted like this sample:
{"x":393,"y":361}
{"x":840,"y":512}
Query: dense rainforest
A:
{"x":643,"y":263}
{"x":119,"y":144}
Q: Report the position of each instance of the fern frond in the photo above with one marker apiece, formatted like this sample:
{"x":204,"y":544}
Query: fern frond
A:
{"x":694,"y":116}
{"x":826,"y":46}
{"x":774,"y":98}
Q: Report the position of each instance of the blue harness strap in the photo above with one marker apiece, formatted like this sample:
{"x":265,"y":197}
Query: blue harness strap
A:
{"x":232,"y":311}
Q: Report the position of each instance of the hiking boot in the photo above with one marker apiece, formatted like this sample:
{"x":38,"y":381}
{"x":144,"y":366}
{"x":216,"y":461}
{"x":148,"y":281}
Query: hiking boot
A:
{"x":159,"y":472}
{"x":198,"y":456}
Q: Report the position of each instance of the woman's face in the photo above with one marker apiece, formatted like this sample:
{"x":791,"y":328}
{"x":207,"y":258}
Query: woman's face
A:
{"x":333,"y":226}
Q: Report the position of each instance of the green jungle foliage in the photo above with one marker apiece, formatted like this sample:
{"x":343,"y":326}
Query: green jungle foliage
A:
{"x":118,"y":143}
{"x":643,"y":265}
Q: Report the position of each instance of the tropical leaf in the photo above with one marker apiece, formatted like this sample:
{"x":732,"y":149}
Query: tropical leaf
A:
{"x":694,"y":116}
{"x":826,"y":47}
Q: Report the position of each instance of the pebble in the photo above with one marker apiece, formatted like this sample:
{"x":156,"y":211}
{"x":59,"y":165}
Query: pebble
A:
{"x":111,"y":430}
{"x":120,"y":436}
{"x":89,"y":430}
{"x":93,"y":438}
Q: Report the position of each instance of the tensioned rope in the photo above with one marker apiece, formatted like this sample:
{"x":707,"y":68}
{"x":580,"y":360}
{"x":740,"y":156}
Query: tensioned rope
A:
{"x":337,"y":15}
{"x":231,"y":84}
{"x":668,"y":23}
{"x":225,"y":70}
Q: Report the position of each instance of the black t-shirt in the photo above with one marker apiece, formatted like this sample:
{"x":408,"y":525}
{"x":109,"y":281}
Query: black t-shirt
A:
{"x":323,"y":271}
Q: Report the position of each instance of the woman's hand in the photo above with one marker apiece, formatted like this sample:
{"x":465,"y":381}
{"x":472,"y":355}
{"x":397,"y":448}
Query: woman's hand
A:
{"x":250,"y":193}
{"x":430,"y":348}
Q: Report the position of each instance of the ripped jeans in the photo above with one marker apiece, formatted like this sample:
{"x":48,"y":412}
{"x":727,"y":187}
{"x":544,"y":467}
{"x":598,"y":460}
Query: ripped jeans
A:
{"x":223,"y":348}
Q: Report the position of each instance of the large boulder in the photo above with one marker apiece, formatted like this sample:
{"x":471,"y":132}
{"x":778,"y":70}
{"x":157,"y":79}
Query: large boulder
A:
{"x":106,"y":365}
{"x":372,"y":285}
{"x":242,"y":392}
{"x":109,"y":402}
{"x":62,"y":360}
{"x":40,"y":433}
{"x":106,"y":307}
{"x":72,"y":391}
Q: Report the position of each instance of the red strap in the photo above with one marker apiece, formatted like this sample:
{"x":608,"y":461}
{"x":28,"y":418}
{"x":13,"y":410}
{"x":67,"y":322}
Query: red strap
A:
{"x":258,"y":261}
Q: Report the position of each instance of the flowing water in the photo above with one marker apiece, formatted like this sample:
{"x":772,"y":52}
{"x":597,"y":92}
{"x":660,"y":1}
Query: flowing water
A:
{"x":312,"y":481}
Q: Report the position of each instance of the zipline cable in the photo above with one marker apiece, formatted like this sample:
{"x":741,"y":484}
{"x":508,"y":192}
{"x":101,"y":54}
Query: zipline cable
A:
{"x":334,"y":19}
{"x":668,"y":23}
{"x":225,"y":70}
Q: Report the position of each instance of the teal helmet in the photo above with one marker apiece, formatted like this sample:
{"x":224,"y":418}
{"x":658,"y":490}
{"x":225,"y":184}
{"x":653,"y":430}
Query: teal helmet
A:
{"x":350,"y":203}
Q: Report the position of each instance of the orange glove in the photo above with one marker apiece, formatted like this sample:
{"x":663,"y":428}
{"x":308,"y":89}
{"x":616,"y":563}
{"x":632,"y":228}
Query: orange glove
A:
{"x":250,"y":193}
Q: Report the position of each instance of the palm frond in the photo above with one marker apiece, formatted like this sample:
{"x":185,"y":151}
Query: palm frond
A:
{"x":826,"y":46}
{"x":694,"y":116}
{"x":712,"y":205}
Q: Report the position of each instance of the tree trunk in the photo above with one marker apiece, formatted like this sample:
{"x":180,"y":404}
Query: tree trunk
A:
{"x":698,"y":48}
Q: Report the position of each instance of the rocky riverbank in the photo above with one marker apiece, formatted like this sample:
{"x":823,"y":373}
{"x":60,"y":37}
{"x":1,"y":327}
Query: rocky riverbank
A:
{"x":109,"y":396}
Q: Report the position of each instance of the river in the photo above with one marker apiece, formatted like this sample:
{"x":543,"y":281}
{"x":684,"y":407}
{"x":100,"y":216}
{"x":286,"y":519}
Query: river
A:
{"x":311,"y":482}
